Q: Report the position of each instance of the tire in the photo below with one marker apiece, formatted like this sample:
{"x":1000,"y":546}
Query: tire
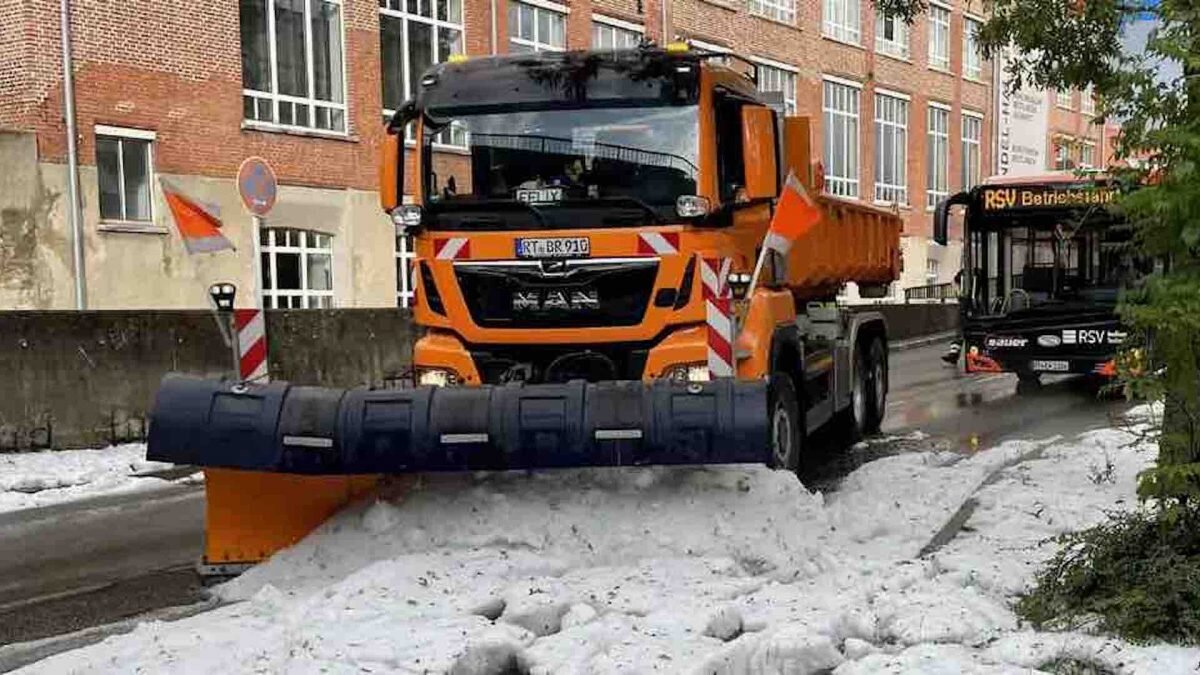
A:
{"x":875,"y":383}
{"x":784,"y":422}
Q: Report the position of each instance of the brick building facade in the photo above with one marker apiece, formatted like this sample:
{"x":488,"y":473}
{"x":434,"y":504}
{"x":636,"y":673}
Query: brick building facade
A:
{"x":183,"y":92}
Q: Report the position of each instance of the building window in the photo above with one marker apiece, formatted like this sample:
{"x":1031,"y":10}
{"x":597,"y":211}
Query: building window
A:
{"x":891,"y":149}
{"x":1087,"y":155}
{"x":125,"y":171}
{"x":939,"y":37}
{"x":414,"y":35}
{"x":772,"y":79}
{"x":840,"y":105}
{"x":405,"y":264}
{"x":891,"y":36}
{"x":297,"y":269}
{"x":534,"y":28}
{"x":933,"y":270}
{"x":938,"y":143}
{"x":972,"y":55}
{"x":1087,"y":101}
{"x":606,"y":35}
{"x":1062,"y":99}
{"x":1062,"y":154}
{"x":972,"y":139}
{"x":292,"y":71}
{"x":842,"y":21}
{"x":779,"y":10}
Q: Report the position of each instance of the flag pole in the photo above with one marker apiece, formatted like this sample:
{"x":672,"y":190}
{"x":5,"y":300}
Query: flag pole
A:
{"x":758,"y":265}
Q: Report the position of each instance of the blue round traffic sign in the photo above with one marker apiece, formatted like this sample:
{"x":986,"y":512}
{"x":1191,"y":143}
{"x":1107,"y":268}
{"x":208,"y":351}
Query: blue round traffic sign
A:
{"x":257,"y":185}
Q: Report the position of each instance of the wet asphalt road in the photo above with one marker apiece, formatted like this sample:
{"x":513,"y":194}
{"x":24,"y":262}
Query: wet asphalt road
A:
{"x":92,"y":562}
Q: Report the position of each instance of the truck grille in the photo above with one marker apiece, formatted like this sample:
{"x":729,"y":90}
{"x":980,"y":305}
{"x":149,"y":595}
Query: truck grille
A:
{"x":585,"y":293}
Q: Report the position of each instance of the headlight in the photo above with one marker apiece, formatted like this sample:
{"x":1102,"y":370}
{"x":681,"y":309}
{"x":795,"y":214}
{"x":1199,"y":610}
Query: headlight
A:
{"x":688,"y":372}
{"x":437,"y":377}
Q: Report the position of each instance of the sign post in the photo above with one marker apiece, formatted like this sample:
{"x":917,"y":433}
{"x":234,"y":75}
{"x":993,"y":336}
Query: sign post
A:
{"x":258,"y":189}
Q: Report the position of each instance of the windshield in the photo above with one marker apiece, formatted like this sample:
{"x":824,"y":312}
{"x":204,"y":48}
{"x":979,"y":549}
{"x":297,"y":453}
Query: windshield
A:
{"x":592,"y":167}
{"x":1051,"y":263}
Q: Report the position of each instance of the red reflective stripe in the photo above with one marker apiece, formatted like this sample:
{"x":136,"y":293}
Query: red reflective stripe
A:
{"x":243,"y":317}
{"x":253,"y":358}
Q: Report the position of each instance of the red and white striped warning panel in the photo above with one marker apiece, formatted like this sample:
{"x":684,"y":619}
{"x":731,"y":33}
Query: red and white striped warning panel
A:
{"x":252,"y":344}
{"x":454,"y":248}
{"x":718,"y":305}
{"x":658,"y":243}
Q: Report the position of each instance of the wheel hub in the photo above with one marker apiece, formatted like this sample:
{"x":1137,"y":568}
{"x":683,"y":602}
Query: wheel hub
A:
{"x":781,"y":434}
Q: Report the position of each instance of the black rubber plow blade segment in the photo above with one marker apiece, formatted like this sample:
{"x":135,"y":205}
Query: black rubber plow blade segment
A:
{"x":315,"y":430}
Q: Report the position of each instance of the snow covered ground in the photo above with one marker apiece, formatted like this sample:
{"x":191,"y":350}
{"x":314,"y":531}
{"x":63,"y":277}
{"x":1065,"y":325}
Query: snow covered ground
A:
{"x":33,"y":479}
{"x":718,"y":570}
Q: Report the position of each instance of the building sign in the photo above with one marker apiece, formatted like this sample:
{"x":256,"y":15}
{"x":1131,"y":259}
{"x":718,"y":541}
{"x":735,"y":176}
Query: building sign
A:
{"x":1021,"y":124}
{"x":1046,"y":196}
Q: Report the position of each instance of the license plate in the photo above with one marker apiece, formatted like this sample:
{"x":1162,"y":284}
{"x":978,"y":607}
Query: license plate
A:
{"x":1050,"y":366}
{"x":557,"y":247}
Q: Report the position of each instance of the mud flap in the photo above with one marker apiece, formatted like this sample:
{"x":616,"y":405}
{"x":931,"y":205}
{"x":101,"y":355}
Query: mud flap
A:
{"x":282,"y":428}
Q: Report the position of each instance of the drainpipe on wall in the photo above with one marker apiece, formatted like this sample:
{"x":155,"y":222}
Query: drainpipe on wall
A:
{"x":666,"y":34}
{"x":495,"y":37}
{"x":73,"y":211}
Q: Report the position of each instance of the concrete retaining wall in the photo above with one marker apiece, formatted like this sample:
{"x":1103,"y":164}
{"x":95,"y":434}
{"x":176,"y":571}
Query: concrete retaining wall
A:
{"x":87,"y":379}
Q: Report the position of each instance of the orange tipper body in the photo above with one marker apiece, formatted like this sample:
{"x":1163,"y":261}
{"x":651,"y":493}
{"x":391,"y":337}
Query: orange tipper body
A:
{"x":633,"y":294}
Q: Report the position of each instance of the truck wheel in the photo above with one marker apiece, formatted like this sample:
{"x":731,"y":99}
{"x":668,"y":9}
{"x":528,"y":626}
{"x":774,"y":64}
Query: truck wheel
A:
{"x":784,"y":423}
{"x":870,"y":387}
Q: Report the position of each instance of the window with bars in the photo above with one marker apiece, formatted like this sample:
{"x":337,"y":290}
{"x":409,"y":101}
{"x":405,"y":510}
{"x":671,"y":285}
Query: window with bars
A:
{"x":124,"y":171}
{"x":840,"y":106}
{"x":532,"y":28}
{"x":1087,"y":155}
{"x":772,"y":79}
{"x":608,"y":36}
{"x":933,"y":269}
{"x":292,"y":64}
{"x":891,"y":36}
{"x":938,"y":160}
{"x":413,"y":36}
{"x":779,"y":10}
{"x":972,"y":140}
{"x":405,"y":266}
{"x":842,"y":21}
{"x":297,"y":269}
{"x":972,"y":55}
{"x":939,"y":37}
{"x":891,"y":149}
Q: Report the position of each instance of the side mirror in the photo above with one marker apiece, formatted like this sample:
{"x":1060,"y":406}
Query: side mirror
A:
{"x":758,"y":152}
{"x":391,"y":159}
{"x":941,"y":216}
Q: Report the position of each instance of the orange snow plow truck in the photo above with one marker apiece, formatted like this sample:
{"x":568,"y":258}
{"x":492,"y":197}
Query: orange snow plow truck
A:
{"x":587,"y":227}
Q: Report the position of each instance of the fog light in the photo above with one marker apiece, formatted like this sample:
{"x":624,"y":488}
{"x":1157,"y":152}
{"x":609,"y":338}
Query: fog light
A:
{"x":437,"y":377}
{"x":691,"y":206}
{"x":739,"y":284}
{"x":688,"y":372}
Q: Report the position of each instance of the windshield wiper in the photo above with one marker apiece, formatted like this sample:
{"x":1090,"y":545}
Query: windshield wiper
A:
{"x":484,"y":204}
{"x":629,"y":199}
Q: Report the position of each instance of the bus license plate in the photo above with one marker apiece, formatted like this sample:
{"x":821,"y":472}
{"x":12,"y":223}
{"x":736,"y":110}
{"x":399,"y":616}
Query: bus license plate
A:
{"x":1051,"y":366}
{"x":557,"y":247}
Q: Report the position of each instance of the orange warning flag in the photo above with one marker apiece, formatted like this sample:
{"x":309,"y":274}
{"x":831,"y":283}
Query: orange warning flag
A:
{"x":795,"y":214}
{"x":199,"y":226}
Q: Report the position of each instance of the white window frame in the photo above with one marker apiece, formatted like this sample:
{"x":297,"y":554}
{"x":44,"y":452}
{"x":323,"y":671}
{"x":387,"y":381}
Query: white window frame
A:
{"x":599,"y":20}
{"x":120,"y":134}
{"x":1087,"y":148}
{"x":933,"y":271}
{"x":405,"y":68}
{"x":967,"y":170}
{"x":1087,"y":101}
{"x":938,"y":60}
{"x":934,"y":139}
{"x":537,"y":44}
{"x":841,"y":20}
{"x":1062,"y":152}
{"x":1062,"y":99}
{"x":406,"y":265}
{"x":892,"y":193}
{"x":269,"y":248}
{"x":842,"y":186}
{"x":972,"y":64}
{"x":787,"y":73}
{"x":275,"y":98}
{"x":783,"y":11}
{"x":897,"y":49}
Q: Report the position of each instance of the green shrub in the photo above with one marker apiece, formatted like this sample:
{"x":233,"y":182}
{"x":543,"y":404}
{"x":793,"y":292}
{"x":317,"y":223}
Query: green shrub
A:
{"x":1136,"y":575}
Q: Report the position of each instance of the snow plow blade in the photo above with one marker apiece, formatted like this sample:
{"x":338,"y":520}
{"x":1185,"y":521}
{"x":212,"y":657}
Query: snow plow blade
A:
{"x":323,"y":431}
